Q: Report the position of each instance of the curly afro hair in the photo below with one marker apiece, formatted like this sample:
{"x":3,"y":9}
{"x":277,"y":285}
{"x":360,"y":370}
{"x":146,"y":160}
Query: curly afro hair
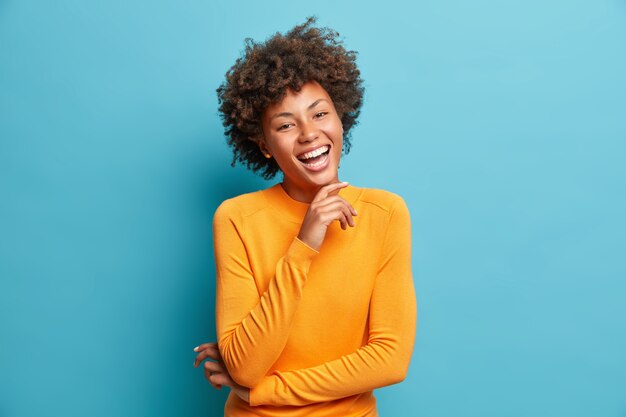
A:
{"x":264,"y":73}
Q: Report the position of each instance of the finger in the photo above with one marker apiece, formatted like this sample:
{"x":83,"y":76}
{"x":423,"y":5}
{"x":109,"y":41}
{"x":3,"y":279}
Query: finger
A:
{"x":210,"y":352}
{"x":326,"y":190}
{"x":346,"y":222}
{"x":328,"y":200}
{"x":212,"y":368}
{"x":210,"y":377}
{"x":345,"y":210}
{"x":214,"y":353}
{"x":333,"y":205}
{"x":333,"y":199}
{"x":349,"y":218}
{"x":339,"y":210}
{"x":217,"y":374}
{"x":221,"y":379}
{"x":204,"y":346}
{"x":202,"y":356}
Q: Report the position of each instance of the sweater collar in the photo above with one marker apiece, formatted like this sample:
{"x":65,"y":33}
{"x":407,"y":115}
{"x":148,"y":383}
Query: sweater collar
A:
{"x":295,"y":210}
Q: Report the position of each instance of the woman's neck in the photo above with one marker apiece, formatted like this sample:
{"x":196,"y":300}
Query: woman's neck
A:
{"x":302,"y":194}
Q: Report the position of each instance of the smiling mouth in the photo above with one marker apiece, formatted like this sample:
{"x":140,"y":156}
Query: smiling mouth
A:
{"x":315,"y":158}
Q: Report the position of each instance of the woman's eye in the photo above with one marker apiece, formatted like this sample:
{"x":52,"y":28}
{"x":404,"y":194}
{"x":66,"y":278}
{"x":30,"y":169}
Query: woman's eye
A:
{"x":321,"y":114}
{"x":283,"y":127}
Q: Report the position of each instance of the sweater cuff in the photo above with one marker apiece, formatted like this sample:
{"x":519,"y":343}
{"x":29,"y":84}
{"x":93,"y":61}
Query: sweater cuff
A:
{"x":300,"y":252}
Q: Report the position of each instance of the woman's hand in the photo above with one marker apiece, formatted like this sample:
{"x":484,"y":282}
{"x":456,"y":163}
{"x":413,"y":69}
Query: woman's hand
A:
{"x":325,"y":208}
{"x":216,"y":372}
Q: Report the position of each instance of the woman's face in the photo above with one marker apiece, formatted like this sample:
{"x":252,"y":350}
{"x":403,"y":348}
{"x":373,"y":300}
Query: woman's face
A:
{"x":304,"y":134}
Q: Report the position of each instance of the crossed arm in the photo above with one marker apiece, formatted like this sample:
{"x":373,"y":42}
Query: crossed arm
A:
{"x":247,"y":322}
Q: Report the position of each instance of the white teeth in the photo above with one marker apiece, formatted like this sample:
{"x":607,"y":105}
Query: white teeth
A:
{"x":319,"y":163}
{"x":314,"y":153}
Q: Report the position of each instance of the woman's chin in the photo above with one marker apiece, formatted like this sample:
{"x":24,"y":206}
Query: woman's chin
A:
{"x":325,"y":178}
{"x":308,"y":179}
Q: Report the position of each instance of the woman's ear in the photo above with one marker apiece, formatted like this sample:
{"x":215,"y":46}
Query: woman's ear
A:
{"x":260,"y":141}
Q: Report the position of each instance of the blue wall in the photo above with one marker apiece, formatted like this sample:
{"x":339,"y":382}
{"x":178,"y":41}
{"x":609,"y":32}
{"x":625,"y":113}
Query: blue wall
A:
{"x":501,"y":123}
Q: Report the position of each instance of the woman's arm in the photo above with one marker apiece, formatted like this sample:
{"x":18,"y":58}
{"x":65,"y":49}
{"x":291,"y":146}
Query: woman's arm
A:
{"x":384,"y":360}
{"x":252,"y":330}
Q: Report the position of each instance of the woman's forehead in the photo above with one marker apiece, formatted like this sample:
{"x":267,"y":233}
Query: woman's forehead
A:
{"x":309,"y":93}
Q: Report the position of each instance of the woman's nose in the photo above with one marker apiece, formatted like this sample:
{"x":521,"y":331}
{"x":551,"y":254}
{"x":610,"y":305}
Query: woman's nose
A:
{"x":308,"y":132}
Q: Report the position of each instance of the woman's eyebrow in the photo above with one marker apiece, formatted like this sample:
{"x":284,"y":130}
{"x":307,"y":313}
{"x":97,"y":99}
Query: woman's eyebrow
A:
{"x":316,"y":102}
{"x":285,"y":113}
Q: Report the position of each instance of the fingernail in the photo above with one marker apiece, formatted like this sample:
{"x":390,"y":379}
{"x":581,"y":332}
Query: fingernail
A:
{"x":196,"y":348}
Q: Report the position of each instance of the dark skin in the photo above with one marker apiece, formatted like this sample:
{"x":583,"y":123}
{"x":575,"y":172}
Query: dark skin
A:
{"x":311,"y":122}
{"x":215,"y":370}
{"x":325,"y":208}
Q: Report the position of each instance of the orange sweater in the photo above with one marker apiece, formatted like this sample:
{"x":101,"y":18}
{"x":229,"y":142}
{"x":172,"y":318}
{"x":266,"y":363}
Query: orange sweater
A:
{"x":313,"y":333}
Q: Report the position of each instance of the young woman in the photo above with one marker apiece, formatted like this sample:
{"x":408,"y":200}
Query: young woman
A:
{"x":315,"y":302}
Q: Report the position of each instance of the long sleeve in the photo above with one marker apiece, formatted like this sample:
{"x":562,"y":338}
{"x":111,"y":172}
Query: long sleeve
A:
{"x":384,"y":360}
{"x":252,"y":329}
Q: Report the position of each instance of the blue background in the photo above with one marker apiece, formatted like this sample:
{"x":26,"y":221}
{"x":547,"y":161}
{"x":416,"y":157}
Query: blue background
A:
{"x":501,"y":123}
